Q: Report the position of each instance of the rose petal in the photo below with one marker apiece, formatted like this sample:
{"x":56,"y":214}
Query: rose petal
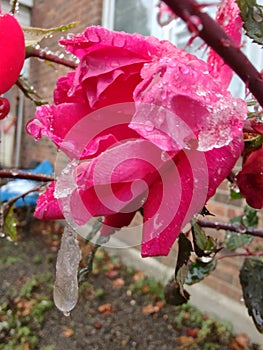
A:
{"x":228,"y":17}
{"x":48,"y":207}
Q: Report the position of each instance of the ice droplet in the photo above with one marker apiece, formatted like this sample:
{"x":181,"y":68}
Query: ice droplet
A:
{"x":165,"y":156}
{"x":148,"y":126}
{"x":65,"y":292}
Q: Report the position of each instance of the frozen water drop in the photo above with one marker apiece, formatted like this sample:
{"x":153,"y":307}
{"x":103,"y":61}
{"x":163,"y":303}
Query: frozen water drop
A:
{"x":195,"y":20}
{"x":148,"y":125}
{"x":184,"y":69}
{"x":165,"y":156}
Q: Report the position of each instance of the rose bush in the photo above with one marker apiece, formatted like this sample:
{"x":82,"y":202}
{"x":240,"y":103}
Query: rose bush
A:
{"x":12,"y":48}
{"x":154,"y":127}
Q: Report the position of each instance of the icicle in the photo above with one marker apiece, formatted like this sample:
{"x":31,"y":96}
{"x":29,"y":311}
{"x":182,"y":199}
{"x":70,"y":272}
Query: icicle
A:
{"x":66,"y":285}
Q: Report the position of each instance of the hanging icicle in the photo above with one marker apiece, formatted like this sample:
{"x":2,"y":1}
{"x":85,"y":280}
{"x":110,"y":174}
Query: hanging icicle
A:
{"x":66,"y":285}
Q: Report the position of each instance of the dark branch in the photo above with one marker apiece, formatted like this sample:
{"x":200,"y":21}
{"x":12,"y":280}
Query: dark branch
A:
{"x":17,"y":174}
{"x":216,"y":38}
{"x":230,"y":227}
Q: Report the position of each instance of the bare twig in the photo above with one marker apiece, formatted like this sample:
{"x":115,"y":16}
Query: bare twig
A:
{"x":41,"y":54}
{"x":17,"y":174}
{"x":14,"y":5}
{"x":230,"y":227}
{"x":214,"y":35}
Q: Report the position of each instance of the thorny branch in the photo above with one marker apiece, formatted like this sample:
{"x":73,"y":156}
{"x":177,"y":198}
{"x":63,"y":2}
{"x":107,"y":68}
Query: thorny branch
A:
{"x":214,"y":35}
{"x":33,"y":52}
{"x":14,"y":5}
{"x":238,"y":228}
{"x":17,"y":174}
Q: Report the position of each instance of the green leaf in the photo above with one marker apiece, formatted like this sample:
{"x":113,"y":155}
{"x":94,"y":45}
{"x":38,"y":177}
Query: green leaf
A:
{"x":251,"y":279}
{"x":34,"y":36}
{"x":234,"y":240}
{"x":235,"y":195}
{"x":252,"y":16}
{"x":10,"y":225}
{"x":203,"y":245}
{"x":29,"y":91}
{"x":249,"y":219}
{"x":198,"y":270}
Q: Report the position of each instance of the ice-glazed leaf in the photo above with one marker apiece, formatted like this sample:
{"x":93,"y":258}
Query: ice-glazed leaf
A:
{"x":198,"y":270}
{"x":235,"y":194}
{"x":66,"y":286}
{"x":250,"y":219}
{"x":203,"y":245}
{"x":252,"y":15}
{"x":26,"y":86}
{"x":234,"y":240}
{"x":251,"y":279}
{"x":10,"y":225}
{"x":33,"y":35}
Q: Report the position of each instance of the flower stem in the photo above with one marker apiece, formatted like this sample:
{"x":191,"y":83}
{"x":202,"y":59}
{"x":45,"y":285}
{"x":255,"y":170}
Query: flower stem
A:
{"x":214,"y":35}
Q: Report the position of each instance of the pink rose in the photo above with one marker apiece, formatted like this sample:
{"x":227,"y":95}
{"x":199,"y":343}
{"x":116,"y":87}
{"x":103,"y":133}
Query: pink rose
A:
{"x":152,"y":128}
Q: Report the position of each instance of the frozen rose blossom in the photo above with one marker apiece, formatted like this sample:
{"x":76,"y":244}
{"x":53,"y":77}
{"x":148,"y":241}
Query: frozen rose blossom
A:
{"x":153,"y":129}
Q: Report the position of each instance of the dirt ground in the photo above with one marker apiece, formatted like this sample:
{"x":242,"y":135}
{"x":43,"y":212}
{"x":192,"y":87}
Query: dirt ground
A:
{"x":118,"y":307}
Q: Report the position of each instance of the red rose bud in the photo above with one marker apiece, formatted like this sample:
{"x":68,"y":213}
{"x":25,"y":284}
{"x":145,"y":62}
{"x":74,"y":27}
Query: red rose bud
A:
{"x":250,"y":179}
{"x":4,"y":107}
{"x":12,"y":51}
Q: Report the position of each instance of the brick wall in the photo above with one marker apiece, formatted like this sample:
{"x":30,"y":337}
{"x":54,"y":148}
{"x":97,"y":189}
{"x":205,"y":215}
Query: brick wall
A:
{"x":45,"y":14}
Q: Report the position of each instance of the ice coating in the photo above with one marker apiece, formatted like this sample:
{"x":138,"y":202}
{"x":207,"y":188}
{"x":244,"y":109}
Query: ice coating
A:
{"x":186,"y":107}
{"x":66,"y":285}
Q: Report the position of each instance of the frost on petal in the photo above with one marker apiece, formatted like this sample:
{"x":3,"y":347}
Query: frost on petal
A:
{"x":48,"y":207}
{"x":229,"y":19}
{"x":250,"y":179}
{"x":179,"y":105}
{"x":110,"y":64}
{"x":66,"y":286}
{"x":56,"y":122}
{"x":96,"y":38}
